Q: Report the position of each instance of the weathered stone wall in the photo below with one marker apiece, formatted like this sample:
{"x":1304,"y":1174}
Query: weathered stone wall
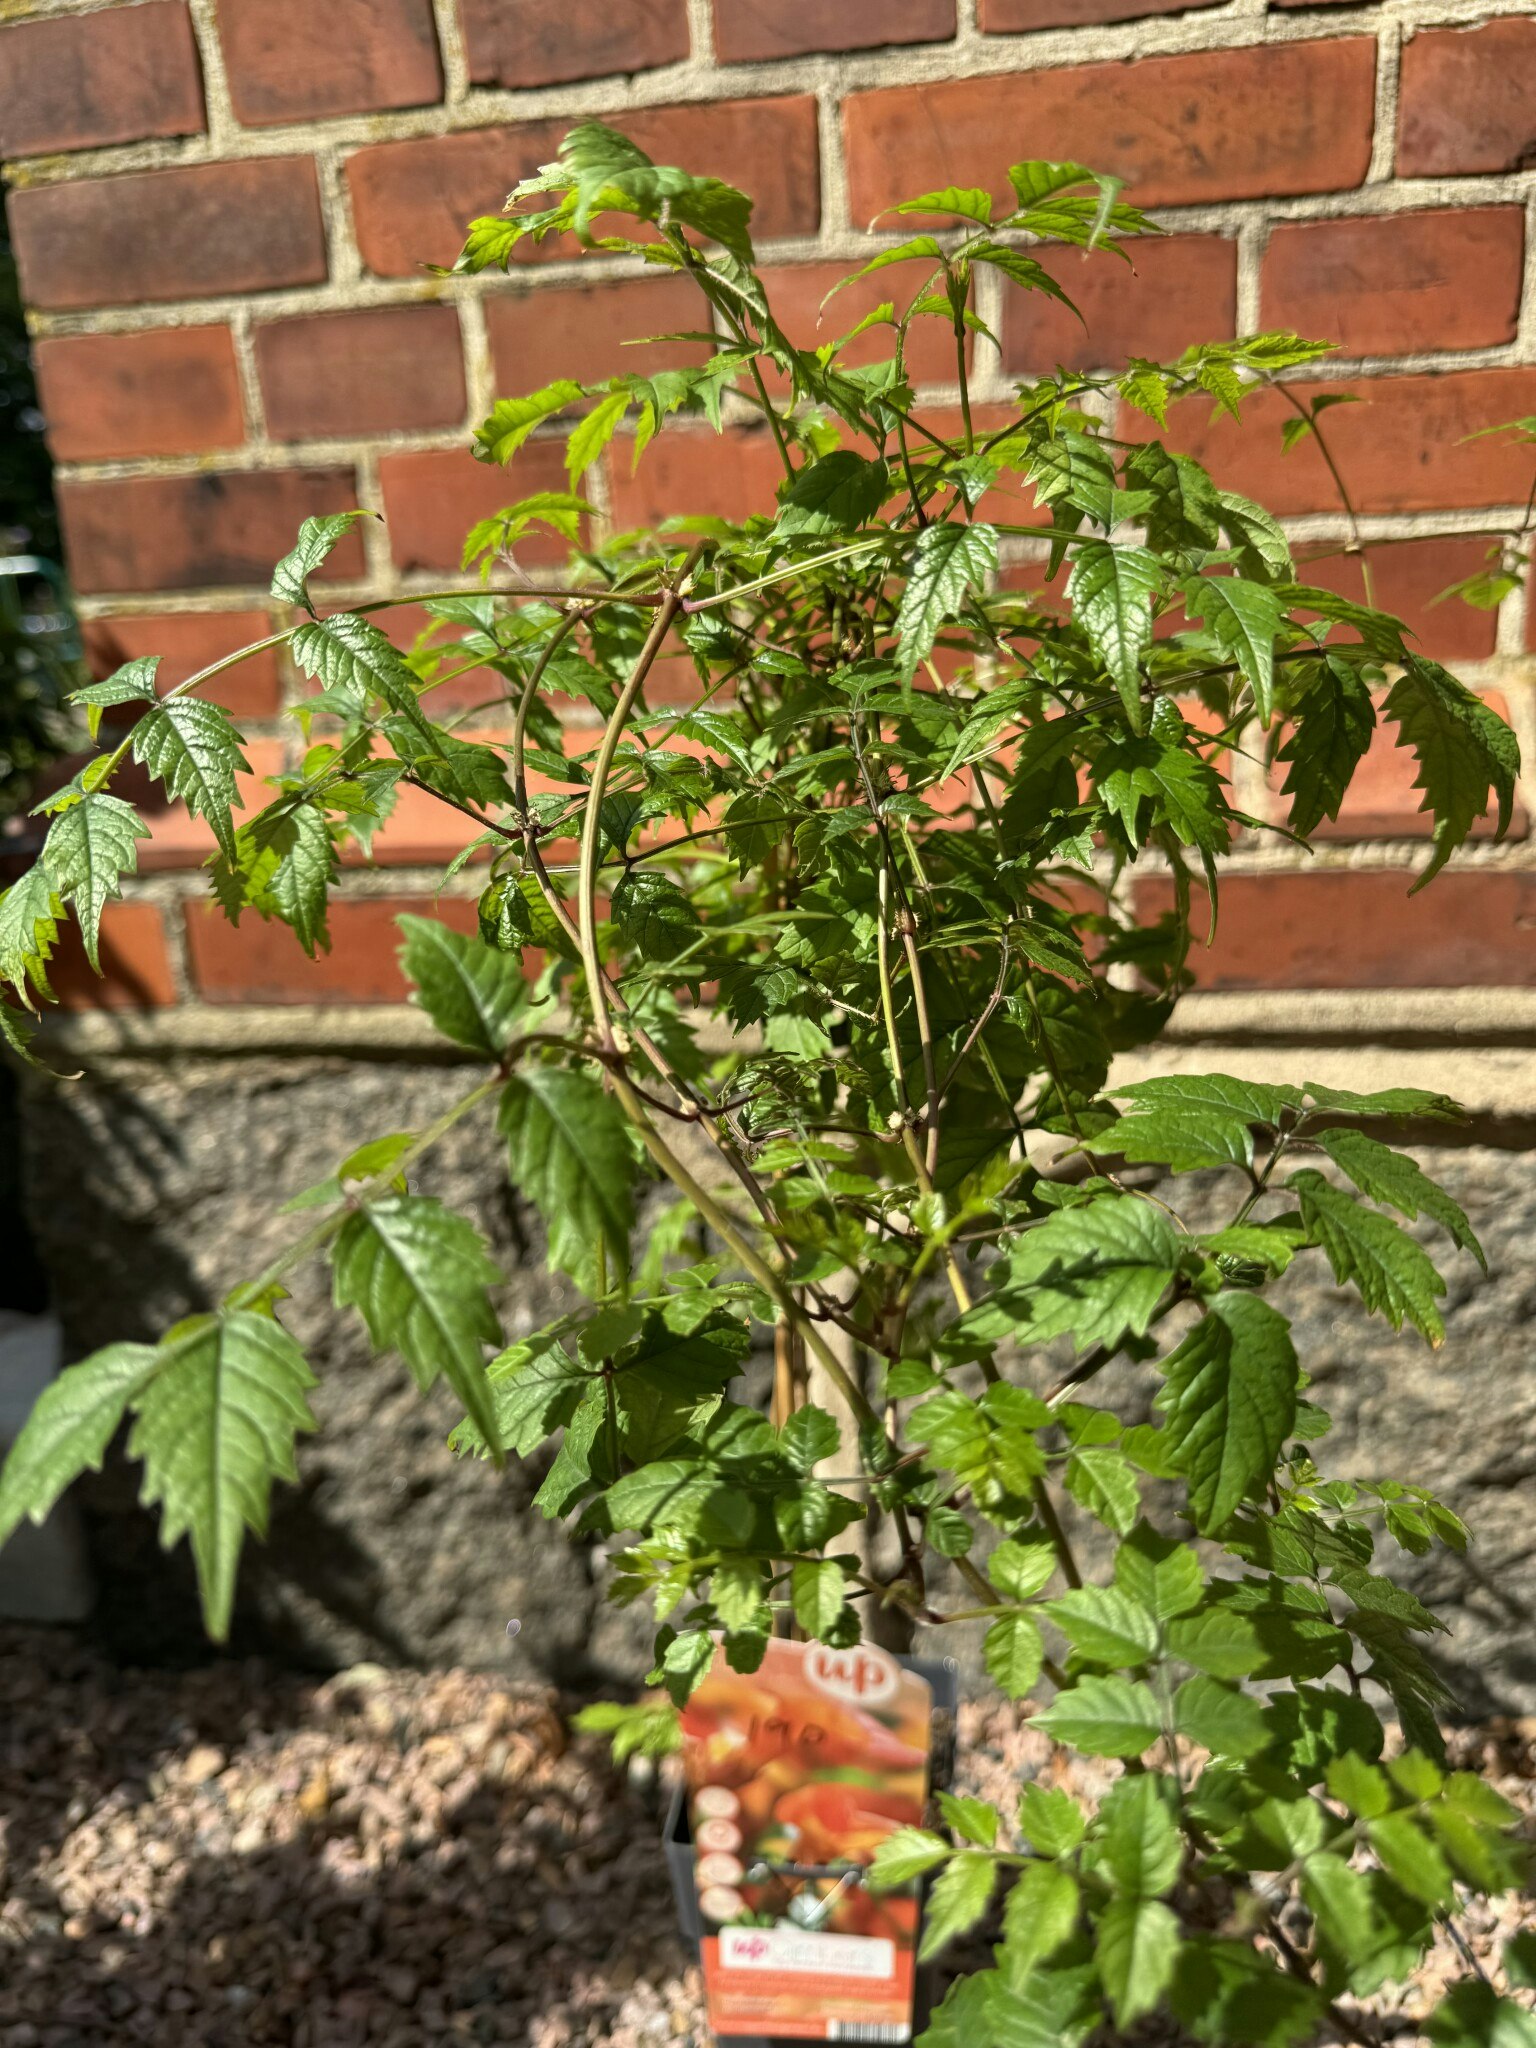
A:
{"x":152,"y":1185}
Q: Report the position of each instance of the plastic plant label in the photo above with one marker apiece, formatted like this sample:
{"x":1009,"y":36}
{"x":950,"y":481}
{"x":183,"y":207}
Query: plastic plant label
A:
{"x":796,"y":1773}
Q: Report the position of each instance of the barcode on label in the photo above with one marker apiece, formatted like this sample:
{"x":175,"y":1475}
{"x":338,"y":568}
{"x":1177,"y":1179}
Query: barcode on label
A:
{"x":867,"y":2030}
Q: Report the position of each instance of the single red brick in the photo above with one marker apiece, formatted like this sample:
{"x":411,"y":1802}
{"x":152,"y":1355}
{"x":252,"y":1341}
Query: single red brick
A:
{"x":750,"y":29}
{"x":796,"y":292}
{"x":546,"y":42}
{"x":1174,"y":292}
{"x":1405,"y":450}
{"x":541,"y":332}
{"x":189,"y":233}
{"x":264,"y":963}
{"x":413,"y":200}
{"x":175,"y":391}
{"x":289,"y":60}
{"x":366,"y":372}
{"x":135,"y":964}
{"x":433,"y":498}
{"x":1003,"y":17}
{"x":80,"y":81}
{"x":695,"y":473}
{"x":1351,"y":930}
{"x":1407,"y":576}
{"x":1464,"y":104}
{"x":1398,"y":282}
{"x":187,"y":642}
{"x":1216,"y":124}
{"x":188,"y":532}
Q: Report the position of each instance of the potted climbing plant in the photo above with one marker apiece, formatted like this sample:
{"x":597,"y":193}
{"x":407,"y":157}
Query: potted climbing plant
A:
{"x":835,"y":954}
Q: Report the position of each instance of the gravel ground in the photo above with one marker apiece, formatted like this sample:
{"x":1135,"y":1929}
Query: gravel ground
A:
{"x":236,"y":1855}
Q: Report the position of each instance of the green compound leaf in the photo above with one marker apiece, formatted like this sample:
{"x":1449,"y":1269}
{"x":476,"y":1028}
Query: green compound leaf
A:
{"x":90,"y":847}
{"x":1395,"y":1275}
{"x":571,"y":1155}
{"x":1103,"y":1717}
{"x":949,"y":562}
{"x":217,"y":1423}
{"x":190,"y":745}
{"x":472,"y":993}
{"x":418,"y":1275}
{"x":1111,"y":590}
{"x":809,"y":1435}
{"x":1230,"y":1402}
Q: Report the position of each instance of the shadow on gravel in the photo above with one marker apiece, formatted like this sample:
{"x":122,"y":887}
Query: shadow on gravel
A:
{"x":231,"y":1857}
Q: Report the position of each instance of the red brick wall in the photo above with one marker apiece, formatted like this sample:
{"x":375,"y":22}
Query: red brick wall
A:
{"x":225,"y":210}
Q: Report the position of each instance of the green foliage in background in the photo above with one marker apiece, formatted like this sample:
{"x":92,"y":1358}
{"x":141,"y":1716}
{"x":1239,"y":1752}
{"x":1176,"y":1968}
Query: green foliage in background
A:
{"x":882,"y":844}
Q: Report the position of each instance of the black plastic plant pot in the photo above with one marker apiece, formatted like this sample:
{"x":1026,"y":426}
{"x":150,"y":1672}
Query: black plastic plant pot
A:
{"x":679,"y":1849}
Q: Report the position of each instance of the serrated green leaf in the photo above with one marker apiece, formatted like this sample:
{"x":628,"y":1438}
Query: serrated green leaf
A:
{"x":133,"y":683}
{"x":949,"y":562}
{"x":1021,"y":1569}
{"x":1218,"y":1641}
{"x":672,"y":1378}
{"x":1014,"y":1654}
{"x":838,"y":494}
{"x":1050,"y":1820}
{"x":960,"y":1895}
{"x":808,"y":1436}
{"x":190,"y":746}
{"x":1473,"y":2015}
{"x":418,"y":1274}
{"x":1136,"y":1945}
{"x":1111,"y":590}
{"x":971,"y":1819}
{"x":1227,"y":1722}
{"x":1395,"y":1275}
{"x":818,"y":1593}
{"x":512,"y":420}
{"x":1394,"y":1178}
{"x":1466,"y":754}
{"x":1140,"y":1849}
{"x":654,"y":915}
{"x":68,"y":1430}
{"x":1161,"y":1574}
{"x":1103,"y":1717}
{"x":1039,"y":1916}
{"x":1106,"y":1626}
{"x":90,"y":847}
{"x":317,"y":539}
{"x":1333,"y":724}
{"x":1230,"y":1400}
{"x":570,"y":1153}
{"x":471,"y":992}
{"x":535,"y":1387}
{"x":1245,"y":617}
{"x":217,"y":1421}
{"x":904,"y":1854}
